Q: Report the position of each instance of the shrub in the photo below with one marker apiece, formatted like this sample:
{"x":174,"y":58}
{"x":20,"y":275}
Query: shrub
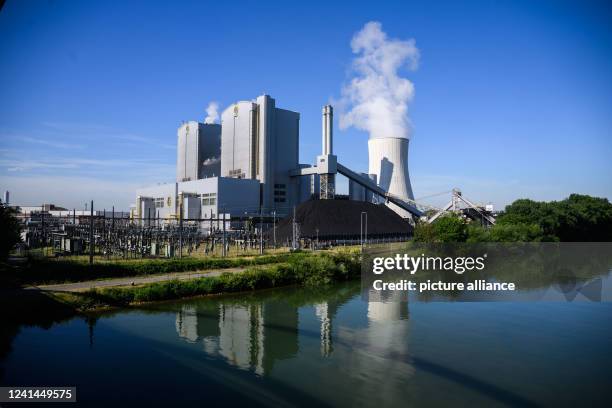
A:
{"x":309,"y":270}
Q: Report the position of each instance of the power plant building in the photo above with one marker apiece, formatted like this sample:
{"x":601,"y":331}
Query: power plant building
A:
{"x":261,"y":142}
{"x":204,"y":198}
{"x":248,"y":166}
{"x":239,"y":167}
{"x":198,"y":151}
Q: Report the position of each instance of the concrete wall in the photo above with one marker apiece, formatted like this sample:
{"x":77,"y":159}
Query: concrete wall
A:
{"x":238,"y":196}
{"x":238,"y":140}
{"x":198,"y":151}
{"x":165,"y":197}
{"x":187,"y":152}
{"x":204,"y":197}
{"x":285,"y":153}
{"x":260,"y":141}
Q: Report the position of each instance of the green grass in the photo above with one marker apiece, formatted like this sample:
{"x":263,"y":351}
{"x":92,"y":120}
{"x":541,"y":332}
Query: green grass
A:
{"x":45,"y":271}
{"x":309,"y":270}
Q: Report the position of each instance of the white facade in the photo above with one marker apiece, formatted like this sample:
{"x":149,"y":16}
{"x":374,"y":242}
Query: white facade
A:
{"x":198,"y":151}
{"x":239,"y":143}
{"x":261,"y":142}
{"x":204,"y":198}
{"x":388,"y":160}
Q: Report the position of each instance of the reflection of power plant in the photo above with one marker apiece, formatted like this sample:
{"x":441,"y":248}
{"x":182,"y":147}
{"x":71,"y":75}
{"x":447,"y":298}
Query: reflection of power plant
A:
{"x":256,"y":336}
{"x":246,"y":336}
{"x":323,"y":313}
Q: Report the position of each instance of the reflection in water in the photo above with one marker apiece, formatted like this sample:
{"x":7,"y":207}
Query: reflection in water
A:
{"x":379,"y":348}
{"x":323,"y":313}
{"x":312,"y":347}
{"x":248,"y":336}
{"x":255,"y":335}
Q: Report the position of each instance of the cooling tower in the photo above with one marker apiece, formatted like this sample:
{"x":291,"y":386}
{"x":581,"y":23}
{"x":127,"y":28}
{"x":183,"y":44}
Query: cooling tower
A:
{"x":389,"y":161}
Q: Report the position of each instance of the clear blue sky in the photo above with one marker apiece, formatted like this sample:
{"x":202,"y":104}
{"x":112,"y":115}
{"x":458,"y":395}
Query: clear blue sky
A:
{"x":513,"y":99}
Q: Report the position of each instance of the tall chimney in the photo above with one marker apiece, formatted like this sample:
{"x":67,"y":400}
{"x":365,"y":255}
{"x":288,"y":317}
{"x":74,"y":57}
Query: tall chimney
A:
{"x":327,"y":133}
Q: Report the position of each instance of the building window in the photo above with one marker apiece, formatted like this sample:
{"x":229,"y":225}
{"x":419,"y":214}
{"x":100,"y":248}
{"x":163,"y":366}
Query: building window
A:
{"x":159,"y":202}
{"x":237,"y":173}
{"x":209,"y":199}
{"x":280,"y":193}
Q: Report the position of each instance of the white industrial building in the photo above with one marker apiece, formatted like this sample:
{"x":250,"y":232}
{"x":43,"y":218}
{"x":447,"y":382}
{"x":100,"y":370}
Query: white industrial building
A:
{"x":248,"y":166}
{"x":204,"y":198}
{"x":238,"y":168}
{"x":261,"y":142}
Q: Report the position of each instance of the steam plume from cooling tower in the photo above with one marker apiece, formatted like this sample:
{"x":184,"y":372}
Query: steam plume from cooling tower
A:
{"x":376,"y":99}
{"x":212,"y":112}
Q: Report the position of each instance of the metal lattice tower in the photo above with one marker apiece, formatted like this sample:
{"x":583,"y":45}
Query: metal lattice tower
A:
{"x":327,"y":189}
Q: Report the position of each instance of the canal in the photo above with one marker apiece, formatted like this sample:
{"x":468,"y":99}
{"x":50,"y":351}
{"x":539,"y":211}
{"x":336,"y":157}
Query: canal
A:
{"x":322,"y":347}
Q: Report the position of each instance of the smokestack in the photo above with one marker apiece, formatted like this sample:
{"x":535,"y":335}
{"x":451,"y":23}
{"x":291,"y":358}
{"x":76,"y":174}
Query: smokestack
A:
{"x":388,"y":159}
{"x":6,"y":197}
{"x":327,"y":131}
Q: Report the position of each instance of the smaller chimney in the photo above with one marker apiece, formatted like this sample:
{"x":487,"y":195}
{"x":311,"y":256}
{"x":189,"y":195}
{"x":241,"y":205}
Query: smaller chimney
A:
{"x":6,"y":197}
{"x":327,"y":131}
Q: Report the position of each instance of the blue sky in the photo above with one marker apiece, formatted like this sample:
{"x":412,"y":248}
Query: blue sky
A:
{"x":512,"y":99}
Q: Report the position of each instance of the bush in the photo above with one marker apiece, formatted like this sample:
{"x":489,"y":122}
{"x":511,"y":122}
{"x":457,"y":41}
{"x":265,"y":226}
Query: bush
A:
{"x":506,"y":233}
{"x":43,"y":270}
{"x":312,"y":270}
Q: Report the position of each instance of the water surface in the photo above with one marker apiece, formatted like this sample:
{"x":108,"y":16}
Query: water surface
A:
{"x":329,"y":347}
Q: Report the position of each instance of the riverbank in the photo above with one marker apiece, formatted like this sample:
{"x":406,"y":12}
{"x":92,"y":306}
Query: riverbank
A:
{"x":45,"y":271}
{"x":306,"y":269}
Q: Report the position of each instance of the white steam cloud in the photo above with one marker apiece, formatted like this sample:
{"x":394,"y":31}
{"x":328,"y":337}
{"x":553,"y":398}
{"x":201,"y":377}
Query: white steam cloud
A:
{"x":212,"y":113}
{"x":376,"y":99}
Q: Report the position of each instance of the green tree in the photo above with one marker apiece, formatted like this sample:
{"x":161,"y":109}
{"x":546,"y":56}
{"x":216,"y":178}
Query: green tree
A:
{"x":515,"y":233}
{"x":579,"y":218}
{"x":584,"y":218}
{"x":10,"y":229}
{"x":448,"y":228}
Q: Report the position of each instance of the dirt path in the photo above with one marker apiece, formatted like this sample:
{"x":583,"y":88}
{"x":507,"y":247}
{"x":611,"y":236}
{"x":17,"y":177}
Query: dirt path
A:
{"x":134,"y":280}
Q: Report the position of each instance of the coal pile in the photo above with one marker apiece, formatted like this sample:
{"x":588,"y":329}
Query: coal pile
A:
{"x":340,"y":219}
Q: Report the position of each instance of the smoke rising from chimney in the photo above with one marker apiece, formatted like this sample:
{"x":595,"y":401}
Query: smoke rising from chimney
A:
{"x":376,"y":98}
{"x":212,"y":112}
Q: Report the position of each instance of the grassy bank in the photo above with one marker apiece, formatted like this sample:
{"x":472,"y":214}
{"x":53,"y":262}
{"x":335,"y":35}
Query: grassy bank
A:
{"x":46,"y":271}
{"x":308,"y":270}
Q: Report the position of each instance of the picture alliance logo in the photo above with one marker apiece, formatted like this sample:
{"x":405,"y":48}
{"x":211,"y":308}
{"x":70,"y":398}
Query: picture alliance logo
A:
{"x":412,"y":264}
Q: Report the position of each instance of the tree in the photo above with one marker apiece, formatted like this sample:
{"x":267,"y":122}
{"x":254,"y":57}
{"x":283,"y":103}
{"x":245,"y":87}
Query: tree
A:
{"x":448,"y":228}
{"x":580,"y":218}
{"x":515,"y":233}
{"x":10,"y":229}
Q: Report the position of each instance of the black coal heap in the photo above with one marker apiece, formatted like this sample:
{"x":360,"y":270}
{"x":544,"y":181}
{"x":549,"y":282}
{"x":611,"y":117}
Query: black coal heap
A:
{"x":340,"y":219}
